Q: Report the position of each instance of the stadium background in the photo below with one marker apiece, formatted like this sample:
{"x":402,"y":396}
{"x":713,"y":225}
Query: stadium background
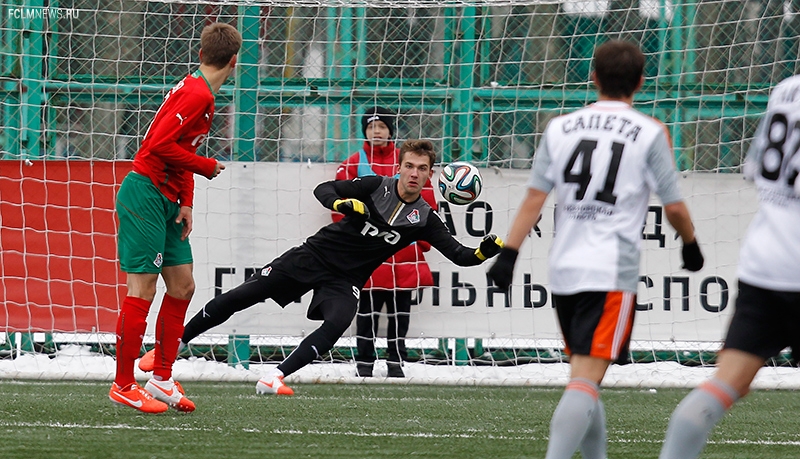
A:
{"x":480,"y":79}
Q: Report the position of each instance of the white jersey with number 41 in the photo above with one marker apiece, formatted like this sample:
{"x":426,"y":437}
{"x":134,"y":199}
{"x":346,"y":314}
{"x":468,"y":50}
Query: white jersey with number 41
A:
{"x":603,"y":161}
{"x":770,"y":255}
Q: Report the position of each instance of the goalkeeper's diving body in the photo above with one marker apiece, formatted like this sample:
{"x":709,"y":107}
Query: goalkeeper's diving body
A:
{"x":382,"y":216}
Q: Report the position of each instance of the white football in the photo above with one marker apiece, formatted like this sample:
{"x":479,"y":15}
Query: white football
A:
{"x":460,"y":183}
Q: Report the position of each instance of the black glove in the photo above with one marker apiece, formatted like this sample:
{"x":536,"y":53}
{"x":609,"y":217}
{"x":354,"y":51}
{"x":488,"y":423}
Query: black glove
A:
{"x":490,"y":245}
{"x":351,"y":207}
{"x":502,"y":272}
{"x":692,"y":257}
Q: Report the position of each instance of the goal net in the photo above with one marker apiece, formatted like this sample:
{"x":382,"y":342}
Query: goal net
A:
{"x":81,"y":81}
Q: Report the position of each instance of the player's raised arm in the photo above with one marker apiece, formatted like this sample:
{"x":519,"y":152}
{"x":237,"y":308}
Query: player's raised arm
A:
{"x":347,"y":196}
{"x":326,"y":193}
{"x":438,"y":236}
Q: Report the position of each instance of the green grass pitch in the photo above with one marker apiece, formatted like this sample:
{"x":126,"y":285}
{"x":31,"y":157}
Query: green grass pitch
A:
{"x":45,"y":419}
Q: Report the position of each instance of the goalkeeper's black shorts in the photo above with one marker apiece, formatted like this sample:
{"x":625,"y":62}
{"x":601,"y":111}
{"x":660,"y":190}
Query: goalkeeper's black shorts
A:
{"x":297,"y":272}
{"x":765,"y":322}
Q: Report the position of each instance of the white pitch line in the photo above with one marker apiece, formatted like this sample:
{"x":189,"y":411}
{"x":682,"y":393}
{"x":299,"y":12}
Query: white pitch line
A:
{"x":61,"y":425}
{"x":714,"y":442}
{"x":365,"y":434}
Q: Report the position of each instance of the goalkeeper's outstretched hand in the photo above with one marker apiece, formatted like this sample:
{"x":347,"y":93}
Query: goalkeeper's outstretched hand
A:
{"x":692,"y":257}
{"x":490,"y":246}
{"x":351,"y":207}
{"x":502,"y":272}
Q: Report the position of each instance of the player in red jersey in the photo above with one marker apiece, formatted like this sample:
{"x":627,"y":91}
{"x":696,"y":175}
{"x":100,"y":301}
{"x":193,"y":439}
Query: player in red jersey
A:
{"x":154,"y":206}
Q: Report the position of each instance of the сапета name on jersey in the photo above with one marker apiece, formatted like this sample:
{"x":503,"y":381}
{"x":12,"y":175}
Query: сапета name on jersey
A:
{"x":607,"y":122}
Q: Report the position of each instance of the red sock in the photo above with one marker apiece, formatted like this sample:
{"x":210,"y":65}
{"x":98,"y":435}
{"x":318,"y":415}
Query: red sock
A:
{"x":131,"y":325}
{"x":169,"y":330}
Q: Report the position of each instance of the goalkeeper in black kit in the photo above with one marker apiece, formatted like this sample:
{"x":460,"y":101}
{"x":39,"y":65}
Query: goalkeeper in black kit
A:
{"x":382,"y":216}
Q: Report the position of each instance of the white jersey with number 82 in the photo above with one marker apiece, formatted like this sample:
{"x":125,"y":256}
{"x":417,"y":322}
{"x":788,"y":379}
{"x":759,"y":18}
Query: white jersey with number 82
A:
{"x":770,"y":255}
{"x":603,"y":161}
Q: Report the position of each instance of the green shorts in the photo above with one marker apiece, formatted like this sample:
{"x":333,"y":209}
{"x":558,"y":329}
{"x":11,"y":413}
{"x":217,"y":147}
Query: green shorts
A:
{"x":148,"y":238}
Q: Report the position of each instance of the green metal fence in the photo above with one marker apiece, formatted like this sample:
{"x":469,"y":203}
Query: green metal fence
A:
{"x":479,"y":79}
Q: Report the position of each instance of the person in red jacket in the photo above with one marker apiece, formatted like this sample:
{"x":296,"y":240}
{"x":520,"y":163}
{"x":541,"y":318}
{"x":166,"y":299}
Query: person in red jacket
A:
{"x":154,"y":207}
{"x":394,"y":281}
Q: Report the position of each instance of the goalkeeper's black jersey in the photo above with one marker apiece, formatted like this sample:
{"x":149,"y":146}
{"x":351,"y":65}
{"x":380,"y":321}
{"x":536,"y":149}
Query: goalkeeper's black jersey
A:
{"x":355,"y":246}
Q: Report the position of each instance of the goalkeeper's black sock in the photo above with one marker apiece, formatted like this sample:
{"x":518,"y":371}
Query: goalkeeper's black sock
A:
{"x":314,"y":346}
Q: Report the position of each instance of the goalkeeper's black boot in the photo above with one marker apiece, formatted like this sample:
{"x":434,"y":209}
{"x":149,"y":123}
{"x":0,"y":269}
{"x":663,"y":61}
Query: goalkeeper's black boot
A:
{"x":364,"y":370}
{"x":395,"y":370}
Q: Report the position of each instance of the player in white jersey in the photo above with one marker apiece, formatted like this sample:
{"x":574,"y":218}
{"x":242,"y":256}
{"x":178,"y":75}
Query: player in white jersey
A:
{"x":602,"y":161}
{"x":767,"y":316}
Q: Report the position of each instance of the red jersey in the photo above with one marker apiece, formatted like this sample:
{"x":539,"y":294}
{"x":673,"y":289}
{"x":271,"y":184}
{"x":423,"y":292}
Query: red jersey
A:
{"x":168,"y":155}
{"x":407,"y":268}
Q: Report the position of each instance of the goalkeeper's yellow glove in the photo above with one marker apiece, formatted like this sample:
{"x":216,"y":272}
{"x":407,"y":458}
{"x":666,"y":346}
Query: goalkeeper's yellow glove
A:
{"x":351,"y":207}
{"x":490,"y":246}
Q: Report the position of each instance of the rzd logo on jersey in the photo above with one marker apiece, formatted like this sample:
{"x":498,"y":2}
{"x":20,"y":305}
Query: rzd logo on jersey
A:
{"x":391,"y":237}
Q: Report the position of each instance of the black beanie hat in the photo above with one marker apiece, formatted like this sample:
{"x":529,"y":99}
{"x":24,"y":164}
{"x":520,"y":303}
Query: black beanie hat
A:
{"x":378,"y":113}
